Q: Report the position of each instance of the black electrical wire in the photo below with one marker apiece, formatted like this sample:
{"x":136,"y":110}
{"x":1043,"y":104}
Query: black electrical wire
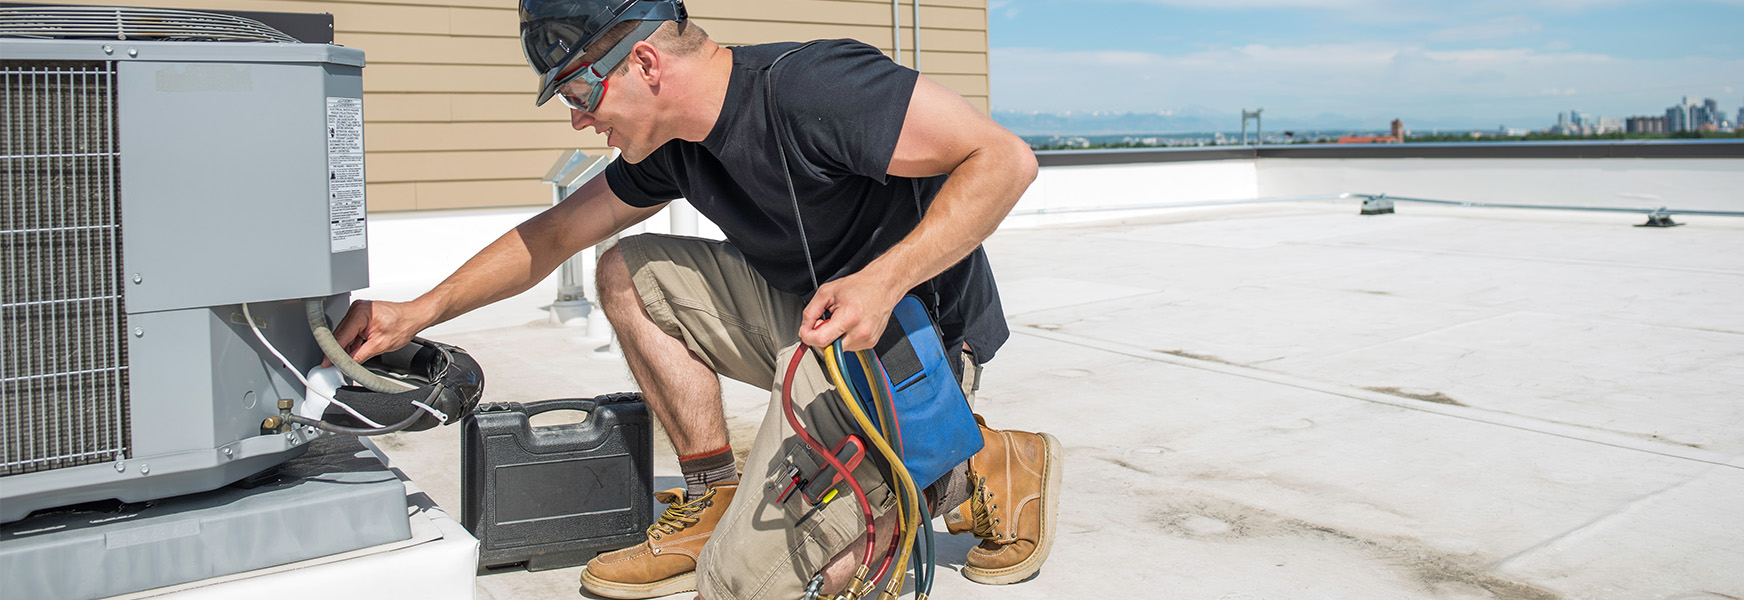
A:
{"x":355,"y":431}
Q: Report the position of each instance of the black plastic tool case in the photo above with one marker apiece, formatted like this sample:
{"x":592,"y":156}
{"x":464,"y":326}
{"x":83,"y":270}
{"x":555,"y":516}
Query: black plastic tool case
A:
{"x":552,"y":497}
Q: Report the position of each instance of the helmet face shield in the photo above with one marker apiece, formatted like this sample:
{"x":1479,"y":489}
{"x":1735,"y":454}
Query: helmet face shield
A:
{"x":550,"y":44}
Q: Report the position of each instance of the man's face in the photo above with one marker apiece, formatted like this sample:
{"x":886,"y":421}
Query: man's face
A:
{"x":623,"y":114}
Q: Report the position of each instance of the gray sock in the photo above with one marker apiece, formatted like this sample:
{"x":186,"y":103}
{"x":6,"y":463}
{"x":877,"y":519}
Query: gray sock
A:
{"x":706,"y":469}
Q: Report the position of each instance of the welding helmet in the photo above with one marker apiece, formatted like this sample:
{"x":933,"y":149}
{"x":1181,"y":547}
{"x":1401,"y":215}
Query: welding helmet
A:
{"x":555,"y":33}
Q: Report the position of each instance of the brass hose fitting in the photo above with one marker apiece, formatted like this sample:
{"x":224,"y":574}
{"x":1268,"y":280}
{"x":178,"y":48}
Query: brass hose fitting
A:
{"x":858,"y":586}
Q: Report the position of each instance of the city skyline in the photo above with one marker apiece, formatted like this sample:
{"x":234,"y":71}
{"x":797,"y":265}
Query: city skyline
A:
{"x":1686,"y":114}
{"x":1345,"y":63}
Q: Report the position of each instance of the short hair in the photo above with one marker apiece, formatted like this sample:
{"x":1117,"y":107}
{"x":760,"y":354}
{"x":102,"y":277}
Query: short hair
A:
{"x":676,"y":37}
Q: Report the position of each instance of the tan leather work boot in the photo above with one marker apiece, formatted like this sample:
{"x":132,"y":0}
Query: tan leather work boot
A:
{"x":665,"y":563}
{"x":1013,"y":506}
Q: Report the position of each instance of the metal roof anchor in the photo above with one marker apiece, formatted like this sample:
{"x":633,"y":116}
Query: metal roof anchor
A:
{"x":1660,"y":218}
{"x":1377,"y":205}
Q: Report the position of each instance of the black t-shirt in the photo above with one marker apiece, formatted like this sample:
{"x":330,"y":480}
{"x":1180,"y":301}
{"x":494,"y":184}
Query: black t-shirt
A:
{"x":842,"y":105}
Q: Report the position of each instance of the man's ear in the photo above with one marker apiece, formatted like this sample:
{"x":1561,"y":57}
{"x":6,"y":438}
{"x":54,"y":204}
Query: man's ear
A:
{"x":645,"y":63}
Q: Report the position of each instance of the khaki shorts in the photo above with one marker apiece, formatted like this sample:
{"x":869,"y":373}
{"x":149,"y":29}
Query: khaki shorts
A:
{"x":702,"y":292}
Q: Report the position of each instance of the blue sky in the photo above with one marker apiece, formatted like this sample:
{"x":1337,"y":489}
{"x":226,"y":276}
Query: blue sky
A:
{"x":1434,"y":63}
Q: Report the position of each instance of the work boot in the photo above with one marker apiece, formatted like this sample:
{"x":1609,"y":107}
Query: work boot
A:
{"x":665,"y":563}
{"x":1013,"y":506}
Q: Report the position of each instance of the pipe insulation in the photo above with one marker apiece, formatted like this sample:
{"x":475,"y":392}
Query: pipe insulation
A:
{"x":324,"y":337}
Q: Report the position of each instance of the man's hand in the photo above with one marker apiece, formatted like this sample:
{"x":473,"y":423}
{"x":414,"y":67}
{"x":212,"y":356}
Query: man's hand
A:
{"x":858,"y":306}
{"x":373,"y":327}
{"x":989,"y":169}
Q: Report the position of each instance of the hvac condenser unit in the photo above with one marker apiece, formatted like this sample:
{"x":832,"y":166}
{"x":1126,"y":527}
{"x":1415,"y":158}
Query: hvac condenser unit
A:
{"x":153,"y":186}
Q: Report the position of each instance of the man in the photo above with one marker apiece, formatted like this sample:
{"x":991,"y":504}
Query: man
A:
{"x":817,"y":169}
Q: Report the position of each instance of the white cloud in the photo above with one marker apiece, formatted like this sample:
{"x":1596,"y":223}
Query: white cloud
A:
{"x":1503,"y":56}
{"x":1367,"y":10}
{"x":1489,"y":29}
{"x":1424,"y":11}
{"x":1249,"y":4}
{"x":1441,"y":6}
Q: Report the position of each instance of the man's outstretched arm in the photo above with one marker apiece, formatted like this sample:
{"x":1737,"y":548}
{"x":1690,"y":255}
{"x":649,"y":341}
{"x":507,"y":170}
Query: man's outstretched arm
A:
{"x":510,"y":265}
{"x":989,"y":168}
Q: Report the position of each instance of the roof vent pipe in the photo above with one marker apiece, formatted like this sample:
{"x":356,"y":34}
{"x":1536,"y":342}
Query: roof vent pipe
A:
{"x":916,"y":35}
{"x":896,"y":28}
{"x":896,"y":32}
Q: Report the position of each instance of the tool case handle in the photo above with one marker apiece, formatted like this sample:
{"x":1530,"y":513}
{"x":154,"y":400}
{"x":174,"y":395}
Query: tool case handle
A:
{"x":587,"y":405}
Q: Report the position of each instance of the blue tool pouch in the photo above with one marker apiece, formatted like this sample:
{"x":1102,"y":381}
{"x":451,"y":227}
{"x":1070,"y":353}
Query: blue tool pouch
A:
{"x":937,"y":429}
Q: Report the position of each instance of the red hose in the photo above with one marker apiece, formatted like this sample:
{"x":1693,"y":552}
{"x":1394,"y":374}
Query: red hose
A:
{"x":889,"y":557}
{"x":830,"y":457}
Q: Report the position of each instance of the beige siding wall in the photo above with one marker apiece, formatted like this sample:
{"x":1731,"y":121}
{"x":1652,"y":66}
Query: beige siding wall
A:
{"x":448,"y":98}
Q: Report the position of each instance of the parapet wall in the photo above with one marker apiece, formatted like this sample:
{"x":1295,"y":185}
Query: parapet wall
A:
{"x":1679,"y":174}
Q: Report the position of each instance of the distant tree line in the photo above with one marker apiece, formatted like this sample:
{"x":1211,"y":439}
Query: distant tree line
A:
{"x":1483,"y":136}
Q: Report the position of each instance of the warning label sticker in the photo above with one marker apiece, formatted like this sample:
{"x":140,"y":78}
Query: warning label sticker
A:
{"x":345,"y":206}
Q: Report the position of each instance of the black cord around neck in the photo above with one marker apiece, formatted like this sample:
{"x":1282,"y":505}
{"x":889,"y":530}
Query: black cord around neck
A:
{"x":781,"y":147}
{"x":775,"y":123}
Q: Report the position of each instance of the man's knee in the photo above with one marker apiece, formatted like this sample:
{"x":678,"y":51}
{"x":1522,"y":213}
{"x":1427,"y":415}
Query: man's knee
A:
{"x":612,"y":275}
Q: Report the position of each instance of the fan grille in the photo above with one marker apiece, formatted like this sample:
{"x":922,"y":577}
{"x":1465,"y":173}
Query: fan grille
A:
{"x":144,"y":24}
{"x":63,"y":347}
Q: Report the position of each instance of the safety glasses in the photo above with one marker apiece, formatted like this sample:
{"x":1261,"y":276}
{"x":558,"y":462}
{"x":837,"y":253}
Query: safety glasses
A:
{"x":589,"y":100}
{"x":594,"y":74}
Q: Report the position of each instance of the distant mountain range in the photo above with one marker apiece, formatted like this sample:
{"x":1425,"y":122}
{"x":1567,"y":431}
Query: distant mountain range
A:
{"x":1193,"y":119}
{"x":1093,"y":123}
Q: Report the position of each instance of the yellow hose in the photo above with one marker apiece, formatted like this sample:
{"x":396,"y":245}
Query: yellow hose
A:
{"x":907,"y":495}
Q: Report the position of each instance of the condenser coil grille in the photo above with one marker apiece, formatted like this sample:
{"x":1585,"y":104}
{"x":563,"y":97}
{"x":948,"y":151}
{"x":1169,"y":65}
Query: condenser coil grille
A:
{"x":63,"y":359}
{"x":118,"y":23}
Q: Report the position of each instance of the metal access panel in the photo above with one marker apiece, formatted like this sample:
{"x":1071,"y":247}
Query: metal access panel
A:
{"x":227,"y":177}
{"x":152,"y":187}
